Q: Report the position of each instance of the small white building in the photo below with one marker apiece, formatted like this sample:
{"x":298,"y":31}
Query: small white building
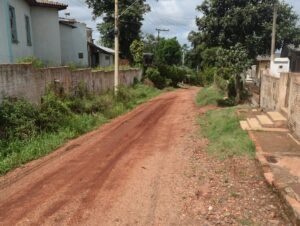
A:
{"x":74,"y":46}
{"x":280,"y":65}
{"x":30,"y":28}
{"x":100,"y":56}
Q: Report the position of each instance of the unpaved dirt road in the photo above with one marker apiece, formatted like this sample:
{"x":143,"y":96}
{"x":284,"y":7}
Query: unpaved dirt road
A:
{"x":129,"y":172}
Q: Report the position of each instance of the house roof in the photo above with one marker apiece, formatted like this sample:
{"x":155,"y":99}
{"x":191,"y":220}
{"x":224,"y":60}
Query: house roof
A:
{"x":281,"y":60}
{"x":108,"y":50}
{"x":266,"y":57}
{"x":104,"y":49}
{"x":47,"y":3}
{"x":68,"y":22}
{"x":263,"y":58}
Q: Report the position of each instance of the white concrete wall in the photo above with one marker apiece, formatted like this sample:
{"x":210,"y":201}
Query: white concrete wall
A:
{"x":73,"y":42}
{"x":46,"y":35}
{"x":20,"y":49}
{"x":280,"y":65}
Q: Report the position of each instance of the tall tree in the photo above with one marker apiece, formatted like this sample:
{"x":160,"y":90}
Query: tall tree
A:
{"x":228,"y":22}
{"x":150,"y":43}
{"x":130,"y":22}
{"x":169,"y":52}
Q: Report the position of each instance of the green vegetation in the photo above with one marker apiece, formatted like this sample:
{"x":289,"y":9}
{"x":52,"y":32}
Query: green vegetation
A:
{"x":209,"y":96}
{"x":164,"y":75}
{"x":168,"y":51}
{"x":137,"y":51}
{"x":28,"y":132}
{"x":112,"y":68}
{"x":248,"y":23}
{"x":231,"y":34}
{"x":130,"y":22}
{"x":226,"y":138}
{"x":36,"y":63}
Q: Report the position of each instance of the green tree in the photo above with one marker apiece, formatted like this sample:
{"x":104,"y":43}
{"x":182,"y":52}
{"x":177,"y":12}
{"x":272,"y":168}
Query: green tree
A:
{"x":137,"y":51}
{"x":150,"y":43}
{"x":235,"y":60}
{"x":228,"y":22}
{"x":169,"y":52}
{"x":130,"y":22}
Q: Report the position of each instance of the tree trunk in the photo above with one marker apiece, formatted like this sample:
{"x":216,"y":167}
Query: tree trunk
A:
{"x":238,"y":89}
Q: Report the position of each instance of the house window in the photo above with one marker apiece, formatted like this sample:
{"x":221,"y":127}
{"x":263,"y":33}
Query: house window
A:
{"x":13,"y":25}
{"x":80,"y":55}
{"x":107,"y":57}
{"x":28,"y":31}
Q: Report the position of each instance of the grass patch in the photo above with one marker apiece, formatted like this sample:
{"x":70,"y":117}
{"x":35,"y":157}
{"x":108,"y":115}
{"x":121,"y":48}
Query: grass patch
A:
{"x":50,"y":127}
{"x":209,"y":96}
{"x":22,"y":151}
{"x":226,"y":138}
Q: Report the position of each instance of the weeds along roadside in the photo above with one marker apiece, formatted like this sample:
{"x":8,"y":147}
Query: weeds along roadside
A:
{"x":28,"y":132}
{"x":221,"y":127}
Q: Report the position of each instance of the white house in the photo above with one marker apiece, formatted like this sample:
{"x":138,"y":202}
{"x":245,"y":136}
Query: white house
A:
{"x":73,"y":37}
{"x":100,"y":55}
{"x":30,"y":28}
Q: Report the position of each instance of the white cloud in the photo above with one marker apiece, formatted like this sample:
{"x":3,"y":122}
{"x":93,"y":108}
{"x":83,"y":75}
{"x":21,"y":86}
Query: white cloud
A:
{"x":176,"y":15}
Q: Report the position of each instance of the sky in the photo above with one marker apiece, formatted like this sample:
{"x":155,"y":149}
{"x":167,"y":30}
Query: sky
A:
{"x":176,"y":15}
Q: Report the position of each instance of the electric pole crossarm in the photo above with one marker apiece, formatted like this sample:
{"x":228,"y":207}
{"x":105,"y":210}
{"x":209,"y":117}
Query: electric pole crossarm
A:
{"x":160,"y":30}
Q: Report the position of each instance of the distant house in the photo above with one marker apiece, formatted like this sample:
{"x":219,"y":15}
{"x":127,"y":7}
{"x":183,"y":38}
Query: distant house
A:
{"x":100,"y":56}
{"x":30,"y":28}
{"x":73,"y":38}
{"x":293,"y":53}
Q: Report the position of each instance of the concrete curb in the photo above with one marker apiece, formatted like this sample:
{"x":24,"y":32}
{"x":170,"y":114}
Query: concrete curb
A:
{"x":292,"y":205}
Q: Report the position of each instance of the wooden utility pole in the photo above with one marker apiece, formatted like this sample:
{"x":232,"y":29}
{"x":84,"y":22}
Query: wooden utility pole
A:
{"x":274,"y":33}
{"x":116,"y":77}
{"x":160,"y":30}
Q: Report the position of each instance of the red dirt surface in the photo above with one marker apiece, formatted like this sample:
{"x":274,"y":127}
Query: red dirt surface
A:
{"x":148,"y":167}
{"x":123,"y":173}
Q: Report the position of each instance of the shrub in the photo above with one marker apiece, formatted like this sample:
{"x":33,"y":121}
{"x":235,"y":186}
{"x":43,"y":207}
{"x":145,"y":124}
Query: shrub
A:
{"x":53,"y":113}
{"x":195,"y":79}
{"x":79,"y":105}
{"x":221,"y":83}
{"x":81,"y":90}
{"x":174,"y":74}
{"x":17,"y":119}
{"x":208,"y":75}
{"x":228,"y":102}
{"x":103,"y":103}
{"x":154,"y":75}
{"x":116,"y":110}
{"x":231,"y":88}
{"x":124,"y":94}
{"x":36,"y":63}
